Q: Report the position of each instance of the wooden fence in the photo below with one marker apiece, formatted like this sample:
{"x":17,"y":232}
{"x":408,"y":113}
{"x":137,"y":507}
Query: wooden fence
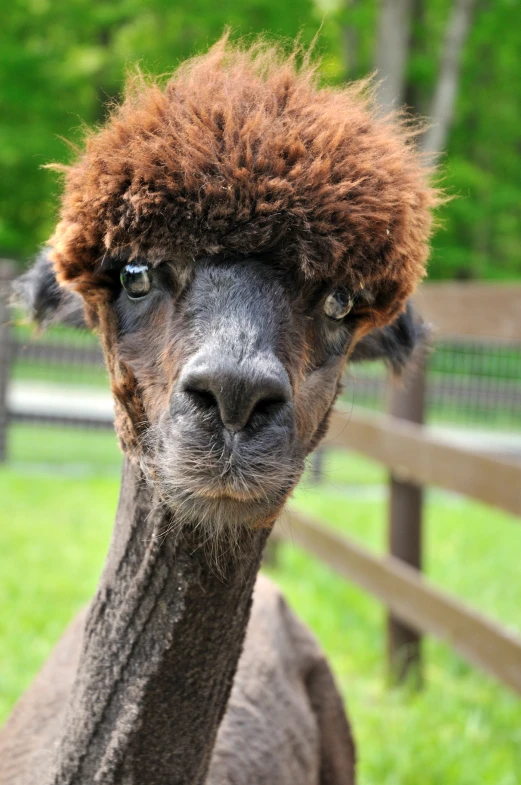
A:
{"x":417,"y":457}
{"x":97,"y":413}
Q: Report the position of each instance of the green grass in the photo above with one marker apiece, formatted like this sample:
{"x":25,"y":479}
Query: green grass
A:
{"x":463,"y":728}
{"x":55,"y":373}
{"x":54,"y":531}
{"x":25,"y":332}
{"x":66,"y":449}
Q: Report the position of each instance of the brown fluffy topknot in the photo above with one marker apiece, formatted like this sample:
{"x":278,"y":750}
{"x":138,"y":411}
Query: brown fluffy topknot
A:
{"x":243,"y":152}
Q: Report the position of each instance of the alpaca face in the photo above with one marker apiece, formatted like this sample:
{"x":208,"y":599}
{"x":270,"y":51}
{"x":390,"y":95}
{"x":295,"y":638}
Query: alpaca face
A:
{"x":262,"y":224}
{"x":225,"y":369}
{"x":237,"y":363}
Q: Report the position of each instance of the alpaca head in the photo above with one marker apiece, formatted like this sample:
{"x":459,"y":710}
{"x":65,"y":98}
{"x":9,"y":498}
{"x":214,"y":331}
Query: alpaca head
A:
{"x":235,"y":236}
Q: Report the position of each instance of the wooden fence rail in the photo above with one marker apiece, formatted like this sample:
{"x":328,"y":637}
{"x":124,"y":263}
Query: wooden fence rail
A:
{"x":412,"y":598}
{"x":413,"y":453}
{"x":475,"y":310}
{"x":416,"y":458}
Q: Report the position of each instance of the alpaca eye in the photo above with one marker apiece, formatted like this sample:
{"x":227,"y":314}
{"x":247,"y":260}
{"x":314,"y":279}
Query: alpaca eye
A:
{"x":338,"y":305}
{"x":136,"y":279}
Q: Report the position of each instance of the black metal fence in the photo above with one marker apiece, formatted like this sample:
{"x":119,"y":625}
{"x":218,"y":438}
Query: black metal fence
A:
{"x":58,"y":379}
{"x":471,"y":384}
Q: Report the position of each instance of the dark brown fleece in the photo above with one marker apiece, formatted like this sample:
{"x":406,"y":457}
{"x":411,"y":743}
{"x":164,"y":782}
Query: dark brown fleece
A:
{"x":242,"y":151}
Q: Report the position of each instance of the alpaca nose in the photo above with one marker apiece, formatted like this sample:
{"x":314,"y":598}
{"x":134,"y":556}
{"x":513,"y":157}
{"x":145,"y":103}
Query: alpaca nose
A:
{"x":250,"y":393}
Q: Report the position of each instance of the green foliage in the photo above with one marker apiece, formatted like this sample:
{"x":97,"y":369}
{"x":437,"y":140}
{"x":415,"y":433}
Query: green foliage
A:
{"x":62,"y":62}
{"x":480,"y":232}
{"x":482,"y":236}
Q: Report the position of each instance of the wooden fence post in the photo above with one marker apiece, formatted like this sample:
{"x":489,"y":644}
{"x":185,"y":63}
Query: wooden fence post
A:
{"x":405,"y":526}
{"x":6,"y":276}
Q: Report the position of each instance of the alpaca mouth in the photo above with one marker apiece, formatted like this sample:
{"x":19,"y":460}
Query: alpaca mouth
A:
{"x":201,"y":493}
{"x":227,"y":494}
{"x":202,"y":475}
{"x":238,"y":491}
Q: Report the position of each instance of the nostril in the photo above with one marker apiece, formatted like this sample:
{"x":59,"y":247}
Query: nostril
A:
{"x":267,"y":407}
{"x":205,"y":399}
{"x":242,"y":397}
{"x":198,"y":388}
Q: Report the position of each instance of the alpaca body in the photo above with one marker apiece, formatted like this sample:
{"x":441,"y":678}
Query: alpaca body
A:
{"x":108,"y":702}
{"x":283,"y":722}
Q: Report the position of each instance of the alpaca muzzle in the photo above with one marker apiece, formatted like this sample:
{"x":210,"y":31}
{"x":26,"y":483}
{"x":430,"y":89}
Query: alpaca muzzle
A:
{"x":243,"y":396}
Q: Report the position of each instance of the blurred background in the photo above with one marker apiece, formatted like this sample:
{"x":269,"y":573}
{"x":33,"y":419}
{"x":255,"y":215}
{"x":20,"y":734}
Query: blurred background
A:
{"x":422,"y":710}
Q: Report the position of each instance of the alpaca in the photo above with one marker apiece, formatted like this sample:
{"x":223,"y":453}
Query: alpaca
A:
{"x":233,"y":236}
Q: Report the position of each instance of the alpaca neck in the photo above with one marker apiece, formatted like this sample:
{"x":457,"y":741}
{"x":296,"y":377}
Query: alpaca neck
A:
{"x":161,"y":646}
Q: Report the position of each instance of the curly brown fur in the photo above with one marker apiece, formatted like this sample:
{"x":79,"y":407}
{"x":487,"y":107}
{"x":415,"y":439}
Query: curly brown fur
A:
{"x":243,"y":151}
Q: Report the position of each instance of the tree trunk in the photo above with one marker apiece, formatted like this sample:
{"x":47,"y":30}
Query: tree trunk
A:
{"x":414,"y":92}
{"x":394,"y":27}
{"x":349,"y":42}
{"x":444,"y":99}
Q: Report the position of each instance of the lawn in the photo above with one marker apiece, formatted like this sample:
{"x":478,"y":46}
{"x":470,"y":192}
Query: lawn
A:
{"x":463,"y":728}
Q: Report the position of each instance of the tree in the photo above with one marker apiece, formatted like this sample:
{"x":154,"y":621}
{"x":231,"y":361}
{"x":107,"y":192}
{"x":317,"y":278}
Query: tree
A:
{"x":61,"y":62}
{"x":473,"y":44}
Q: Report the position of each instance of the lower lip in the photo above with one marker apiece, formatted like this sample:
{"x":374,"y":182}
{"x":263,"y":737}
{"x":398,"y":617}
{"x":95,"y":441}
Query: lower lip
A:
{"x":221,"y":496}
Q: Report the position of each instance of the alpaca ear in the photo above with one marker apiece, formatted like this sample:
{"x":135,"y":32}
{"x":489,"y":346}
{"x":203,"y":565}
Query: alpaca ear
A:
{"x":43,"y":299}
{"x":395,"y":343}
